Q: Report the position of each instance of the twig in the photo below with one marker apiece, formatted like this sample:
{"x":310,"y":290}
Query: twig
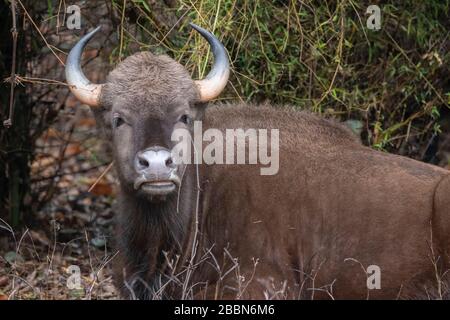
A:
{"x":338,"y":65}
{"x":12,"y":80}
{"x":101,"y":176}
{"x":19,"y":80}
{"x":400,"y":49}
{"x":121,"y":29}
{"x":40,"y":33}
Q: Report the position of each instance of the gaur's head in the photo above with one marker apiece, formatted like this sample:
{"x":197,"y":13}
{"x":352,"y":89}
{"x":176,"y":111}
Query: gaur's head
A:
{"x":145,"y":98}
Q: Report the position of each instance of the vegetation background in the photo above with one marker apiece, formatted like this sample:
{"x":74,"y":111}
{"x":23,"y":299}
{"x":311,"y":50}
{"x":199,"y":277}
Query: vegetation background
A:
{"x":391,"y":86}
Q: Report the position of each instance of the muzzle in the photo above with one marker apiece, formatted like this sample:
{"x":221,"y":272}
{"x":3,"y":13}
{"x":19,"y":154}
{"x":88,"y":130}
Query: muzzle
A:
{"x":157,"y":172}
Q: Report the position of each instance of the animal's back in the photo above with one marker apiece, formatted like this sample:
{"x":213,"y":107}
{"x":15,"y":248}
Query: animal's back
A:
{"x":333,"y":204}
{"x":295,"y":125}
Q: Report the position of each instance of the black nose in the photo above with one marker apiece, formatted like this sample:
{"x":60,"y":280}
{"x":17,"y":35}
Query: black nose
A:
{"x":154,"y":161}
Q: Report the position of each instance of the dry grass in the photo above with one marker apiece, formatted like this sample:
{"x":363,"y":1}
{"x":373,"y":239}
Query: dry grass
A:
{"x":38,"y":268}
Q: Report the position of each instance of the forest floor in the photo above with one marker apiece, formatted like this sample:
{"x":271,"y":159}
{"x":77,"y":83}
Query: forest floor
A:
{"x":44,"y":262}
{"x":70,"y":237}
{"x":43,"y":267}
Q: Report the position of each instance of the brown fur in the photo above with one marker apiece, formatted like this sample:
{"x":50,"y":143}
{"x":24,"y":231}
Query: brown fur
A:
{"x":334,"y":207}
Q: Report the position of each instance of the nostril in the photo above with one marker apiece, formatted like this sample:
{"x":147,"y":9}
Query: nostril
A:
{"x":154,"y":161}
{"x":144,"y":163}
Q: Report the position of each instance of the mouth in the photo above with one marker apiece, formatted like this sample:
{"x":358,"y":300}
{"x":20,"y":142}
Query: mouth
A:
{"x":158,"y":187}
{"x":155,"y":187}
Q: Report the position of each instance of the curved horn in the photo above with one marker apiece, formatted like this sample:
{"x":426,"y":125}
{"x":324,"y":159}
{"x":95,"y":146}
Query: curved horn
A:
{"x":80,"y":86}
{"x":217,"y":78}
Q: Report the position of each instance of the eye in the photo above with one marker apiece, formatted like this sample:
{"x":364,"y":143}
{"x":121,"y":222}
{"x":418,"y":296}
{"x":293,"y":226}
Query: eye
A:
{"x":117,"y":121}
{"x":186,"y":119}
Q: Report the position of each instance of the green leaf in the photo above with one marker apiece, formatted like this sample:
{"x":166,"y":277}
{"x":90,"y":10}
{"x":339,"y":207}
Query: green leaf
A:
{"x":13,"y":257}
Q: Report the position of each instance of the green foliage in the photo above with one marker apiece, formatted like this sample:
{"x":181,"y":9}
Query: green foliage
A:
{"x":316,"y":55}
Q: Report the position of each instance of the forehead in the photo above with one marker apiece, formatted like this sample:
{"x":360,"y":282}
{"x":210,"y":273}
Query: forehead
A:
{"x":146,"y":108}
{"x":148,"y":83}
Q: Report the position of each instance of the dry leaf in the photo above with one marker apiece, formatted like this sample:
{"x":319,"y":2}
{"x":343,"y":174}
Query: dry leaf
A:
{"x":72,"y":149}
{"x":3,"y":281}
{"x":102,"y":189}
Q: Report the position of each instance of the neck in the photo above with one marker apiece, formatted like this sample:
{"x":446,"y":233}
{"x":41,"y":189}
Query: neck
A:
{"x":152,"y":233}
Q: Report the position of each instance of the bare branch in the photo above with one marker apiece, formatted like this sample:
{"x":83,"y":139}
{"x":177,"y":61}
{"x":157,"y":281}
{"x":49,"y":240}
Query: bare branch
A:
{"x":12,"y":80}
